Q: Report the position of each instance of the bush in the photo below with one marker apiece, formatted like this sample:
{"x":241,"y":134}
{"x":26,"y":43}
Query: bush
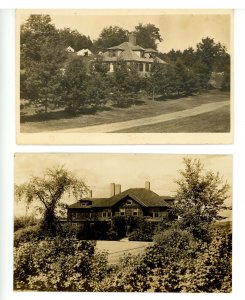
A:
{"x":22,"y":222}
{"x":139,"y":235}
{"x":27,"y":234}
{"x":56,"y":264}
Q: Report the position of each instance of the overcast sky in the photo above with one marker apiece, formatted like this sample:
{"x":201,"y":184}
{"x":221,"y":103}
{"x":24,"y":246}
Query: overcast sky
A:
{"x":178,"y":30}
{"x":129,"y":170}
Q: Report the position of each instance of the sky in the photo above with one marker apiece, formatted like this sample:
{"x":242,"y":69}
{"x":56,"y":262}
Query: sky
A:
{"x":179,"y":29}
{"x":129,"y":170}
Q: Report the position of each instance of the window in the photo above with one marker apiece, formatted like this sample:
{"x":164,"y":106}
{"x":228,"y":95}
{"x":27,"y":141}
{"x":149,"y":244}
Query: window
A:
{"x":141,"y":67}
{"x":135,"y":212}
{"x":147,"y":69}
{"x":106,"y":214}
{"x":122,"y":211}
{"x":155,"y":214}
{"x":74,"y":215}
{"x":129,"y":201}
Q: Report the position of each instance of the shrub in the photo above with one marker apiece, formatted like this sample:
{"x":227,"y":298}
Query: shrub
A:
{"x":22,"y":222}
{"x":56,"y":264}
{"x":27,"y":234}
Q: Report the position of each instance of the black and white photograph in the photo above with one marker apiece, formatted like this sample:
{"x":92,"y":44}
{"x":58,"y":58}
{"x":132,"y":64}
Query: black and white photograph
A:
{"x":123,"y":223}
{"x":124,"y":76}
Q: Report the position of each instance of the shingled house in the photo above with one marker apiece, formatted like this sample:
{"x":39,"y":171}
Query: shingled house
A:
{"x":132,"y":54}
{"x":137,"y":202}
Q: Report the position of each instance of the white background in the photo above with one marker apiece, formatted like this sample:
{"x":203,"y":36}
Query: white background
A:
{"x":8,"y":146}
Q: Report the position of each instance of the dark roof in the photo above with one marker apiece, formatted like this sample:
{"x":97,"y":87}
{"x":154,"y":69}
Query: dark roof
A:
{"x":143,"y":196}
{"x":128,"y":54}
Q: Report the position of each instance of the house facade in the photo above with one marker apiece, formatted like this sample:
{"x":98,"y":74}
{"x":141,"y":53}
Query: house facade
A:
{"x":133,"y":54}
{"x":135,"y":202}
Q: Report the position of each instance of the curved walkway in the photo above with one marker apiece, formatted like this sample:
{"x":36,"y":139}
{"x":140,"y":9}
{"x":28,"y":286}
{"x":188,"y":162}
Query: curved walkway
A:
{"x":111,"y":127}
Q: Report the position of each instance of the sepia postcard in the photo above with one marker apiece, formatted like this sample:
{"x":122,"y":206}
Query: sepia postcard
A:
{"x":123,"y":223}
{"x":124,"y":76}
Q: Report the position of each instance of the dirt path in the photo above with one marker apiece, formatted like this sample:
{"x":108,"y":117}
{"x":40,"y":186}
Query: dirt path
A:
{"x":149,"y":120}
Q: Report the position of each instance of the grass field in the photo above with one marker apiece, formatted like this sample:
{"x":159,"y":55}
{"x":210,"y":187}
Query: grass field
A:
{"x":143,"y":108}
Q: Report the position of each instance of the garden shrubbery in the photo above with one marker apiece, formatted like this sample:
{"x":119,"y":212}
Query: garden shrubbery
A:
{"x":58,"y":264}
{"x":176,"y":262}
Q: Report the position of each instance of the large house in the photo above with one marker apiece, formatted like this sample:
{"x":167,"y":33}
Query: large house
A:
{"x":136,"y":202}
{"x":132,"y":54}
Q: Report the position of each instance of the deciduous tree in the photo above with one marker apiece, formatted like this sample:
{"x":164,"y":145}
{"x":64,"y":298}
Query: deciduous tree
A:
{"x":49,"y":191}
{"x":200,"y":198}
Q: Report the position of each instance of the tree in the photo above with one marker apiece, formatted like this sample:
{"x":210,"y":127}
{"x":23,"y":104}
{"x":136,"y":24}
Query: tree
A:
{"x":42,"y":83}
{"x":200,"y":198}
{"x":74,"y":83}
{"x":74,"y":39}
{"x":209,"y":52}
{"x":42,"y":59}
{"x":109,"y":37}
{"x":49,"y":191}
{"x":147,"y":35}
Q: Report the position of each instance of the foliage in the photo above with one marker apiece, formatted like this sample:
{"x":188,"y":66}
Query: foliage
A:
{"x":58,"y":264}
{"x":48,"y":191}
{"x":74,"y":39}
{"x":147,"y":35}
{"x":24,"y":221}
{"x":42,"y":58}
{"x":177,"y":262}
{"x":27,"y":234}
{"x":200,"y":198}
{"x":74,"y":83}
{"x":109,"y":37}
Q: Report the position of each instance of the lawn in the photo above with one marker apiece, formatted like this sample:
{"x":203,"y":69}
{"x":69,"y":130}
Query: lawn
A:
{"x":110,"y":114}
{"x":215,"y":121}
{"x":117,"y":249}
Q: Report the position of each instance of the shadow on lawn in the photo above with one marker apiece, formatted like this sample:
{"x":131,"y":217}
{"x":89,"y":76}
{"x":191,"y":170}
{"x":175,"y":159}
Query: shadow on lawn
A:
{"x":61,"y":114}
{"x":126,"y":103}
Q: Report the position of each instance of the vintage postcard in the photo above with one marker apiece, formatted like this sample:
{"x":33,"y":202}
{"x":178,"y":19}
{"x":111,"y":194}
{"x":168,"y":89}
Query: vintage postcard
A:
{"x":124,"y":76}
{"x":123,"y":223}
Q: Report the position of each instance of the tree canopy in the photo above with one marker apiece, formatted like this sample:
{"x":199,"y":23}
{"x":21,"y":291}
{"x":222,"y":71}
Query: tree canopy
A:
{"x":49,"y":190}
{"x":200,"y":198}
{"x":147,"y":35}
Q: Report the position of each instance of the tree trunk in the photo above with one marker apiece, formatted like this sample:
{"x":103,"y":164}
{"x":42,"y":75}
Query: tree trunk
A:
{"x":46,"y":104}
{"x":153,"y":94}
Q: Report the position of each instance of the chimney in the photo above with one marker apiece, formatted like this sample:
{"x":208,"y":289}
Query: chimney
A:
{"x":117,"y":189}
{"x":90,"y":194}
{"x":112,"y":189}
{"x":132,"y":38}
{"x":147,"y":185}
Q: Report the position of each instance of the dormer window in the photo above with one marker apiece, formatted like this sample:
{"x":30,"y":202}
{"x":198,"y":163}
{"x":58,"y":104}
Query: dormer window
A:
{"x":85,"y":202}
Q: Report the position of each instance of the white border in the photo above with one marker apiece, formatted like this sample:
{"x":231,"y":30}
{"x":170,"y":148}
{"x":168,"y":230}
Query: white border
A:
{"x":8,"y":147}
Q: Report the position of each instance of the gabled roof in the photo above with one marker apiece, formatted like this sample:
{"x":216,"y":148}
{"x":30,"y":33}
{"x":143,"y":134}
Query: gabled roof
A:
{"x":144,"y":197}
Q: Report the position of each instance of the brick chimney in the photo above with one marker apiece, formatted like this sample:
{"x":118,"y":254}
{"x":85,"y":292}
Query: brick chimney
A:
{"x":112,"y":189}
{"x":147,"y":185}
{"x":117,"y":189}
{"x":132,"y":38}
